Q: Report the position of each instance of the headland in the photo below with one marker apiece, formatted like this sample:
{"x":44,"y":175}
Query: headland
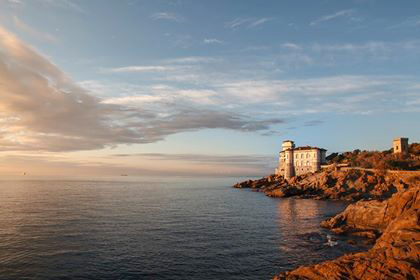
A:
{"x":385,"y":208}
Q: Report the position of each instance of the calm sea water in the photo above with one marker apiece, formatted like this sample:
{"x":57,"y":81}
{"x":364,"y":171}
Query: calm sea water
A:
{"x":174,"y":229}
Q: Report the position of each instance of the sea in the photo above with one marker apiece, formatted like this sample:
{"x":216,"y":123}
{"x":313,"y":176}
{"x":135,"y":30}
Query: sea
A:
{"x":170,"y":228}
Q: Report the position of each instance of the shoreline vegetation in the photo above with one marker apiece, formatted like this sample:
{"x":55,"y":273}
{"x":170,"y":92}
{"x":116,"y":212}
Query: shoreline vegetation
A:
{"x":385,"y":208}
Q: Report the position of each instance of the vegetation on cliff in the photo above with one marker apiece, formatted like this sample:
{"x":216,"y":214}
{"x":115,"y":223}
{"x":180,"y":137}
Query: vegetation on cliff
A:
{"x":379,"y":160}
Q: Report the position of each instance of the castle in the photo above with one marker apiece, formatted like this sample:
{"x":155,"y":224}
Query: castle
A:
{"x":295,"y":161}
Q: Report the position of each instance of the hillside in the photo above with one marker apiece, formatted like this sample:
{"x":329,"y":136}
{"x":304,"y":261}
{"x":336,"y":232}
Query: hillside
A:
{"x":385,"y":160}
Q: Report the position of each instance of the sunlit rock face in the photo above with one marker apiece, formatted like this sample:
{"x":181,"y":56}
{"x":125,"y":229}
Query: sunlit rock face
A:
{"x":396,"y":254}
{"x":350,"y":185}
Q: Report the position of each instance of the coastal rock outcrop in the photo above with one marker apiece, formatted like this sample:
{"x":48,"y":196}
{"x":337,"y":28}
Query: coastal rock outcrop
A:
{"x":386,"y":208}
{"x":395,"y":255}
{"x":350,"y":185}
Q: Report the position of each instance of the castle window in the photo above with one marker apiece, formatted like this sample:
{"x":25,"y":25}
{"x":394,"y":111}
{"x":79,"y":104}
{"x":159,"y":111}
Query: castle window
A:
{"x":301,"y":155}
{"x":307,"y":163}
{"x":396,"y":147}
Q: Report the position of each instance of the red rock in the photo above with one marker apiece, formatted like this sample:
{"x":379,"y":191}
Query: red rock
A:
{"x":395,"y":255}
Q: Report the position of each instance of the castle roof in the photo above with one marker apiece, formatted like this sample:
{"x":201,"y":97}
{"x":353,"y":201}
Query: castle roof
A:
{"x":304,"y":148}
{"x":309,"y":148}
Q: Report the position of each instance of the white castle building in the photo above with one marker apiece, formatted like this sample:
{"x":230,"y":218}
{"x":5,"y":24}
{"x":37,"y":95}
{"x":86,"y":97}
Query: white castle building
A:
{"x":295,"y":161}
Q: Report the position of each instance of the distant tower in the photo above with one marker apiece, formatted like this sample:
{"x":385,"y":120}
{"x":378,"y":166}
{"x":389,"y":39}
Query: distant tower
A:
{"x":400,"y":145}
{"x":289,"y":170}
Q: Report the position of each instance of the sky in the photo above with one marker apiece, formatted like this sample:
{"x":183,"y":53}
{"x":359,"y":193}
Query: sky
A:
{"x":193,"y":87}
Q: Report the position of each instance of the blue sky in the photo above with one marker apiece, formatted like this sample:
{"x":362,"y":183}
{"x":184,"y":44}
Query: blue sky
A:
{"x":207,"y":87}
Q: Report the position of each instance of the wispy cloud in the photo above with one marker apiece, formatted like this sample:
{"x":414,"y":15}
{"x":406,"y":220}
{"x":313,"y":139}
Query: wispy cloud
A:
{"x":247,"y":22}
{"x":291,"y":46}
{"x":61,"y":4}
{"x":178,"y":64}
{"x":411,"y":22}
{"x":205,"y":158}
{"x":192,"y":60}
{"x":313,"y":123}
{"x":14,"y":2}
{"x":32,"y":31}
{"x":140,"y":68}
{"x":370,"y":50}
{"x":212,"y":41}
{"x":340,"y":14}
{"x":168,"y":16}
{"x":140,"y":164}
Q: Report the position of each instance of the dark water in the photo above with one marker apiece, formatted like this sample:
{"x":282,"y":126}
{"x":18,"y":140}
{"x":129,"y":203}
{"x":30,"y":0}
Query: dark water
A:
{"x":183,"y":229}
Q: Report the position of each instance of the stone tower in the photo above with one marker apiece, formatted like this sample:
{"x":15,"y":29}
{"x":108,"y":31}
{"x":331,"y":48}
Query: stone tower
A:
{"x":289,"y":170}
{"x":400,"y":145}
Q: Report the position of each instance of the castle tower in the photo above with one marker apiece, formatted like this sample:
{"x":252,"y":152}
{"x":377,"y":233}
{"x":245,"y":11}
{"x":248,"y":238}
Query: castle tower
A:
{"x":316,"y":160}
{"x":287,"y":144}
{"x":400,"y":145}
{"x":289,"y":169}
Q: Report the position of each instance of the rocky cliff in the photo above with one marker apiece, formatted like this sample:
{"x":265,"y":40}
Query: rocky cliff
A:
{"x":350,"y":185}
{"x":386,"y":209}
{"x":395,"y":255}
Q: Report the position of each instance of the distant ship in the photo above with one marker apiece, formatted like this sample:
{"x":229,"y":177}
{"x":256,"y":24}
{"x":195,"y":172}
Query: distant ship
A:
{"x":124,"y":175}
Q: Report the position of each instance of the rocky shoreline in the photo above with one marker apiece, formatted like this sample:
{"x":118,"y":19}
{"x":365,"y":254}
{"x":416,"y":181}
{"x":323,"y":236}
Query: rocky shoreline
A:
{"x":385,"y":209}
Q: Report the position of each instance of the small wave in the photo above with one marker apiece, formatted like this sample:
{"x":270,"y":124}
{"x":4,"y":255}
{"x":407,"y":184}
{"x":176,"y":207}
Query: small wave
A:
{"x":330,"y":242}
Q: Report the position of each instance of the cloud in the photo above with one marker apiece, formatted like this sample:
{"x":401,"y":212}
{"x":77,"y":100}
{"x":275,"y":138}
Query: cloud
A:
{"x":168,"y":16}
{"x":212,"y":41}
{"x":313,"y":123}
{"x":61,"y":4}
{"x":369,"y":51}
{"x":410,"y":22}
{"x":278,"y":99}
{"x":257,"y":163}
{"x":14,"y":2}
{"x":291,"y":46}
{"x":205,"y":158}
{"x":140,"y":68}
{"x":191,"y":60}
{"x":259,"y":22}
{"x":247,"y":22}
{"x":350,"y":47}
{"x":41,"y":108}
{"x":339,"y":14}
{"x":33,"y":32}
{"x":178,"y":65}
{"x":47,"y":164}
